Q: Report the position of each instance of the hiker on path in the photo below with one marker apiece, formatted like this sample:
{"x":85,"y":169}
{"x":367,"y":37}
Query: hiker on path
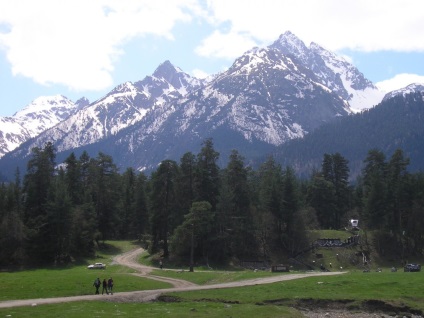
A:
{"x":104,"y":289}
{"x":110,"y":285}
{"x":97,"y":285}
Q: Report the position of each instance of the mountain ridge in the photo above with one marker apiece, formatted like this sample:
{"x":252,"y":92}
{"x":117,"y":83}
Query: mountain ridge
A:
{"x":267,"y":97}
{"x":41,"y":114}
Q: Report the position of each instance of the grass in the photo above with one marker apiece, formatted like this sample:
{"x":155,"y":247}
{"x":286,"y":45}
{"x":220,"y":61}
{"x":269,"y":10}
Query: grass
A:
{"x":399,"y":286}
{"x":352,"y":290}
{"x":212,"y":277}
{"x":332,"y":234}
{"x":175,"y":310}
{"x":271,"y":300}
{"x":46,"y":283}
{"x":75,"y":279}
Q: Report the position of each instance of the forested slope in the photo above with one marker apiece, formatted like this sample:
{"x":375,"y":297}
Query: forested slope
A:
{"x":394,"y":123}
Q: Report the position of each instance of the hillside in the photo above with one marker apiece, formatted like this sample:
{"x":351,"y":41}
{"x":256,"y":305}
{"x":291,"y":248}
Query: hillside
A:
{"x":348,"y":250}
{"x":392,"y":124}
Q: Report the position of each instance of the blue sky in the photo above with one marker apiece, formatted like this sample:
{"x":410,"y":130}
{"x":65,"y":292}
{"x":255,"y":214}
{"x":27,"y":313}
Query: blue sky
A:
{"x":85,"y":48}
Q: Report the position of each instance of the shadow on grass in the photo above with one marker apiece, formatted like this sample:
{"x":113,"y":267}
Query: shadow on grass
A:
{"x":108,"y":249}
{"x":103,"y":251}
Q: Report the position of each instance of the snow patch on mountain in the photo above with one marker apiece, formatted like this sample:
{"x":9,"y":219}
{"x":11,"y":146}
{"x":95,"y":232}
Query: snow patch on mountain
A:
{"x":411,"y":88}
{"x":361,"y":93}
{"x":124,"y":106}
{"x":333,"y":72}
{"x":41,"y":114}
{"x":12,"y":134}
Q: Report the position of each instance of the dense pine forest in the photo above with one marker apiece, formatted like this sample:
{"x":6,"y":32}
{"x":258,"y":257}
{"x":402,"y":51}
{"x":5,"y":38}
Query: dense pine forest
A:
{"x":56,"y":214}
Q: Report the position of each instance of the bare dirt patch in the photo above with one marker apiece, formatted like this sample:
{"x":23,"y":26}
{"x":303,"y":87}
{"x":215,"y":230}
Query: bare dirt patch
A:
{"x":348,"y":308}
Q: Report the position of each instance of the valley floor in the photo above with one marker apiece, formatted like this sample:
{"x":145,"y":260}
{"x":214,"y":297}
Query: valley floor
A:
{"x":129,"y":260}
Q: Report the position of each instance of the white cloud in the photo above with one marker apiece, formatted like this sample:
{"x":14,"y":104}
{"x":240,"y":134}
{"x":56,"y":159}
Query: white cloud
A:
{"x":399,"y":81}
{"x":199,"y":73}
{"x":360,"y":25}
{"x":76,"y":43}
{"x":228,"y":45}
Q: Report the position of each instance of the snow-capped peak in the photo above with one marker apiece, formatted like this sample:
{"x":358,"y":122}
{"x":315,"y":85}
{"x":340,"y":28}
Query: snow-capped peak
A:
{"x":333,"y":71}
{"x":41,"y":114}
{"x":290,"y":44}
{"x":46,"y":103}
{"x":411,"y":88}
{"x":166,"y":70}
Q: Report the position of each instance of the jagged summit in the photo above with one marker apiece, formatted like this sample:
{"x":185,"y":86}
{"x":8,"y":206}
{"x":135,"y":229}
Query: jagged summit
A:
{"x":82,"y":102}
{"x":176,"y":77}
{"x":332,"y":70}
{"x":291,"y":45}
{"x":166,"y":70}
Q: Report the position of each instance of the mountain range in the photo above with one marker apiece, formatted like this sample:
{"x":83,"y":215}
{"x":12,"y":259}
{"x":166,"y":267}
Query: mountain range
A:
{"x":267,"y":97}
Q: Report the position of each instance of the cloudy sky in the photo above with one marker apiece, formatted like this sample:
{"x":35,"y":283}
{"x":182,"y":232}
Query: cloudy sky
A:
{"x":85,"y":48}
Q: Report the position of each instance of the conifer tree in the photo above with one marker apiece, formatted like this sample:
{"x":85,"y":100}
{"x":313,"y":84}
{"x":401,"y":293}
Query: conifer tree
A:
{"x":237,"y":215}
{"x":37,"y":186}
{"x":105,"y":194}
{"x":375,"y":189}
{"x":206,"y":177}
{"x":269,"y":209}
{"x":163,"y":203}
{"x":336,"y":171}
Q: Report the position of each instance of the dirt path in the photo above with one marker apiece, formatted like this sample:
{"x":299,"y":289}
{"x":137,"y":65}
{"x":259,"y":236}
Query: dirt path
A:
{"x":129,"y":259}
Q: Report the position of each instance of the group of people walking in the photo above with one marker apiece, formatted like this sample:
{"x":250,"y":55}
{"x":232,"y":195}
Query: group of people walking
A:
{"x":107,"y":286}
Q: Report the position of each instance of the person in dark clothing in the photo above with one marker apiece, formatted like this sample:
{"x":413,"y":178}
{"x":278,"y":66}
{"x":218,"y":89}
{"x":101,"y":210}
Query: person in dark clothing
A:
{"x":97,"y":285}
{"x":110,"y":285}
{"x":104,"y":289}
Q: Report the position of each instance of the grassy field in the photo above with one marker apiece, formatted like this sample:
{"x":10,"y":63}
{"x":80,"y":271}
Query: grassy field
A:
{"x":396,"y":292}
{"x":76,"y":279}
{"x":151,"y":310}
{"x":399,"y":287}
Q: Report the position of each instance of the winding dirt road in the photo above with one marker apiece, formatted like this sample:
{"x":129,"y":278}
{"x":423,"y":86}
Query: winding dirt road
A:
{"x":129,"y":260}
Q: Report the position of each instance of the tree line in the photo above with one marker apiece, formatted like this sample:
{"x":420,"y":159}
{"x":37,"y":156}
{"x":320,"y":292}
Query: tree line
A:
{"x":193,"y":211}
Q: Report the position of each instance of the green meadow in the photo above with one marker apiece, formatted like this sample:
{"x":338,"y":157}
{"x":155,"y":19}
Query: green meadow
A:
{"x":391,"y":292}
{"x":74,"y":280}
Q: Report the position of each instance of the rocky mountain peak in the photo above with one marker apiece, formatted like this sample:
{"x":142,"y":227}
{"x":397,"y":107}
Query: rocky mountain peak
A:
{"x":167,"y":71}
{"x":290,"y":44}
{"x":173,"y":75}
{"x":127,"y":87}
{"x":82,"y":102}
